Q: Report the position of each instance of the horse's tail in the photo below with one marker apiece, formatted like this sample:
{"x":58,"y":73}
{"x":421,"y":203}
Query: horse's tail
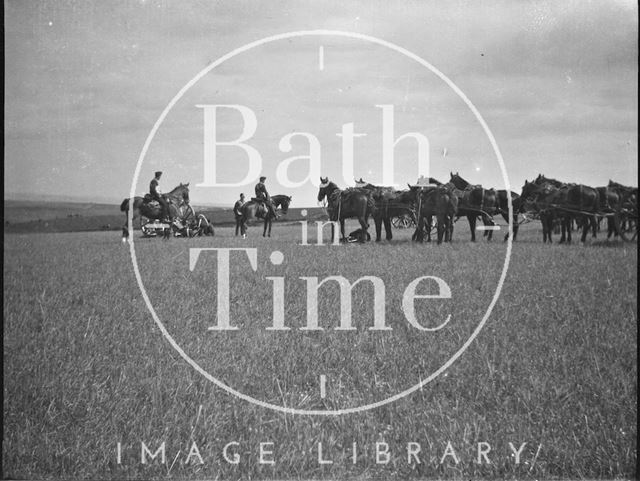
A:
{"x":125,"y":205}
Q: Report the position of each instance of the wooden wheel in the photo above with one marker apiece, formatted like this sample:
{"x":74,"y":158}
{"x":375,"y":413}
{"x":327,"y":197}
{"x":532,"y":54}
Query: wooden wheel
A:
{"x":402,"y":222}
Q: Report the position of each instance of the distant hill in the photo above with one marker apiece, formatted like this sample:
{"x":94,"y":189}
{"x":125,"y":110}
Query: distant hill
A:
{"x":47,"y":216}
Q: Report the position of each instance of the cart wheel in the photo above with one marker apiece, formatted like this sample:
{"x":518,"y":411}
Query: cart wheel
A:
{"x":402,"y":222}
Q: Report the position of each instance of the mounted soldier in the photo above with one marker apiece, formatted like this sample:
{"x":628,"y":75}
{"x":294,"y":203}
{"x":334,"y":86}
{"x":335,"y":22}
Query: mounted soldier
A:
{"x":263,"y":196}
{"x":156,"y":194}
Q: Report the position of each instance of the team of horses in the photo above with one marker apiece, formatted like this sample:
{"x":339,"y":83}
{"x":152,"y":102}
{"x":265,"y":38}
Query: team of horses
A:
{"x":549,"y":199}
{"x":552,"y":201}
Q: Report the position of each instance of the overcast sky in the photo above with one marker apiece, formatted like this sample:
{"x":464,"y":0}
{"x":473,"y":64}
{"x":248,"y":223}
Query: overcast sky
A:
{"x":85,"y":82}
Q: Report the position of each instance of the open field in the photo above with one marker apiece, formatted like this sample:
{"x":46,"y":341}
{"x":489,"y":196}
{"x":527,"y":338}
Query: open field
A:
{"x":85,"y":367}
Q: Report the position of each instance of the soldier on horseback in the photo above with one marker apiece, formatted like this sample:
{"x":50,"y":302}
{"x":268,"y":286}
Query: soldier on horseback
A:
{"x":156,"y":194}
{"x":263,"y":196}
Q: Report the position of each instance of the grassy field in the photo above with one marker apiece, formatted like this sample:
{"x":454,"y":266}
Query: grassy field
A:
{"x":86,"y":368}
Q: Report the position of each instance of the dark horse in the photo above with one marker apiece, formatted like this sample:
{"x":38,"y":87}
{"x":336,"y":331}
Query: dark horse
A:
{"x":575,"y":201}
{"x":178,"y":200}
{"x":390,"y":203}
{"x":540,"y":198}
{"x":344,"y":204}
{"x":438,"y":201}
{"x":258,"y":210}
{"x":474,"y":201}
{"x":611,"y":203}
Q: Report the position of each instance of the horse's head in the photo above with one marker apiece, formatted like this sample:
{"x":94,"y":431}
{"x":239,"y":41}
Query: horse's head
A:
{"x":527,"y":189}
{"x":180,"y":194}
{"x":532,"y":192}
{"x":324,"y":188}
{"x":183,"y":191}
{"x":284,"y":203}
{"x":458,"y":181}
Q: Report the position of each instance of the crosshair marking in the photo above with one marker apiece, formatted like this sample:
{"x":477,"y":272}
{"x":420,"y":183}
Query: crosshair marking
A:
{"x":323,"y":386}
{"x":321,"y":57}
{"x":488,"y":227}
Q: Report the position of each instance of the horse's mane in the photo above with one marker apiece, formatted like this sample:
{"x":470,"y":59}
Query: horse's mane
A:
{"x":181,"y":186}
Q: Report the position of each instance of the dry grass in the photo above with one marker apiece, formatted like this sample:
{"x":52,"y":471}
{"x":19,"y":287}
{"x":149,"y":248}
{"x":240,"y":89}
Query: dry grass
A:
{"x":85,"y":367}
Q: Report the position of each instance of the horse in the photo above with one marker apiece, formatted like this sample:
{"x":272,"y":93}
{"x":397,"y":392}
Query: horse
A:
{"x":390,"y":203}
{"x":177,"y":199}
{"x":579,"y":202}
{"x":502,"y":197}
{"x":628,"y":205}
{"x":344,"y":204}
{"x":611,"y":202}
{"x":255,"y":209}
{"x":474,"y":201}
{"x":438,"y":201}
{"x":628,"y":196}
{"x":538,"y":198}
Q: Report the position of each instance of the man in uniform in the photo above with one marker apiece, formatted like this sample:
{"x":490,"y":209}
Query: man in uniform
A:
{"x":156,"y":194}
{"x":262,"y":194}
{"x":237,"y":210}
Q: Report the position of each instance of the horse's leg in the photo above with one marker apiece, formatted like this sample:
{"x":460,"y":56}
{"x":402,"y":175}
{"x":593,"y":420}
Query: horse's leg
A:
{"x":377,"y":219}
{"x":586,"y":227}
{"x":418,"y":233}
{"x":427,"y":226}
{"x":365,"y":233}
{"x":547,"y":227}
{"x":342,"y":236}
{"x":488,"y":222}
{"x":506,"y":219}
{"x":611,"y":228}
{"x":362,"y":236}
{"x":125,"y":227}
{"x":364,"y":225}
{"x":440,"y":227}
{"x":472,"y":218}
{"x":387,"y":227}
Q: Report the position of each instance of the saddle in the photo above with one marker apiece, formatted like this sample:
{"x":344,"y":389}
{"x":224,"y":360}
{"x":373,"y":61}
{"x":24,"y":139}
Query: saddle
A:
{"x":149,"y":201}
{"x":261,"y":210}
